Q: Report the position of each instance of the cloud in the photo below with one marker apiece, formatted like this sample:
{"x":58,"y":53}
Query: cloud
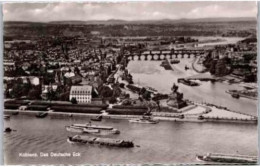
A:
{"x":44,"y":12}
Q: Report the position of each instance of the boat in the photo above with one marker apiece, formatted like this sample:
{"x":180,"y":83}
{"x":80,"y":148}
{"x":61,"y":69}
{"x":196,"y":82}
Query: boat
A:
{"x":175,"y":61}
{"x":228,"y":158}
{"x":41,"y":114}
{"x":166,"y":65}
{"x":187,"y":82}
{"x":74,"y":129}
{"x":201,"y":117}
{"x":98,"y":118}
{"x":186,"y":67}
{"x":86,"y":128}
{"x":101,"y":141}
{"x":8,"y":130}
{"x":152,"y":90}
{"x":235,"y":95}
{"x":89,"y":125}
{"x":7,"y":117}
{"x":144,"y":120}
{"x":81,"y":129}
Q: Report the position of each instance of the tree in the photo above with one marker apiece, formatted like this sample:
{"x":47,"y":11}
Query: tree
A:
{"x":94,"y":93}
{"x":35,"y":93}
{"x":105,"y":91}
{"x":76,"y":70}
{"x":147,"y":95}
{"x":122,"y":85}
{"x":127,"y":102}
{"x":65,"y":96}
{"x":74,"y":100}
{"x":52,"y":95}
{"x":127,"y":96}
{"x":158,"y":105}
{"x":112,"y":100}
{"x":17,"y":89}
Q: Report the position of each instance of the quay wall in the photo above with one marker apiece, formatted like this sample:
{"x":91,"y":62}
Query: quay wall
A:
{"x":162,"y":118}
{"x":220,"y":107}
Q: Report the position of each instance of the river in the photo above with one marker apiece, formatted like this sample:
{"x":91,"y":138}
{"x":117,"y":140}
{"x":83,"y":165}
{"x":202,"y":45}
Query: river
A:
{"x":163,"y":143}
{"x":219,"y":40}
{"x":150,"y":73}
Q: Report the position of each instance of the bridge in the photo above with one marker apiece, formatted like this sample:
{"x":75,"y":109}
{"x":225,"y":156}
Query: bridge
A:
{"x":163,"y":54}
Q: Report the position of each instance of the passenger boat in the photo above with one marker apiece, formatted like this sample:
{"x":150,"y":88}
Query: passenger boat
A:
{"x":88,"y":125}
{"x":81,"y":130}
{"x":144,"y":120}
{"x":74,"y":129}
{"x":88,"y":130}
{"x":94,"y":129}
{"x":100,"y":141}
{"x":227,"y":158}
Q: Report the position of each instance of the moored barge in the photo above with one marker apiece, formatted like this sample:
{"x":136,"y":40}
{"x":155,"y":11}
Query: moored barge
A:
{"x":101,"y":141}
{"x":228,"y":158}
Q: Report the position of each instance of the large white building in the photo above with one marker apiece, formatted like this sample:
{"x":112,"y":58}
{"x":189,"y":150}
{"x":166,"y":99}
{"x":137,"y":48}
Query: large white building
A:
{"x":81,"y":93}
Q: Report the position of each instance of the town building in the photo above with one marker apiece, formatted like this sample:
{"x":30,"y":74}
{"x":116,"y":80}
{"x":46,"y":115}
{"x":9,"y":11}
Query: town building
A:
{"x":82,"y":94}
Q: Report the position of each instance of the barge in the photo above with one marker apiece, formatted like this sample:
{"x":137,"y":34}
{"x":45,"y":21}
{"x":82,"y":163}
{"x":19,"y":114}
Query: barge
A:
{"x":166,"y":65}
{"x":175,"y":61}
{"x":187,"y":82}
{"x":100,"y":141}
{"x":228,"y":158}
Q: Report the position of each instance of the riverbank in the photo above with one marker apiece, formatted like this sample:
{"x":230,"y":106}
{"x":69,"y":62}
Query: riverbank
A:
{"x":188,"y":117}
{"x":241,"y":94}
{"x":197,"y":65}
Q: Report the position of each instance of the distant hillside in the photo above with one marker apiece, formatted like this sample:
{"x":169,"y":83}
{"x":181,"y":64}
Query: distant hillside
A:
{"x":162,"y":21}
{"x":228,"y":27}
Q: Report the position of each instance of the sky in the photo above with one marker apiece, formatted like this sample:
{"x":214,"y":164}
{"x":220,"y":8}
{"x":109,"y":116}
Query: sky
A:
{"x":45,"y":12}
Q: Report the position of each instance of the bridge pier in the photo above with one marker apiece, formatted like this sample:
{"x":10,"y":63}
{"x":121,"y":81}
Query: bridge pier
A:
{"x":164,"y":58}
{"x":152,"y":57}
{"x":145,"y":57}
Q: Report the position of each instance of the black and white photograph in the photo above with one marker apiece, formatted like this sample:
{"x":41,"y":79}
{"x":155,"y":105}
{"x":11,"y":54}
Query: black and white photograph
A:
{"x":130,"y":83}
